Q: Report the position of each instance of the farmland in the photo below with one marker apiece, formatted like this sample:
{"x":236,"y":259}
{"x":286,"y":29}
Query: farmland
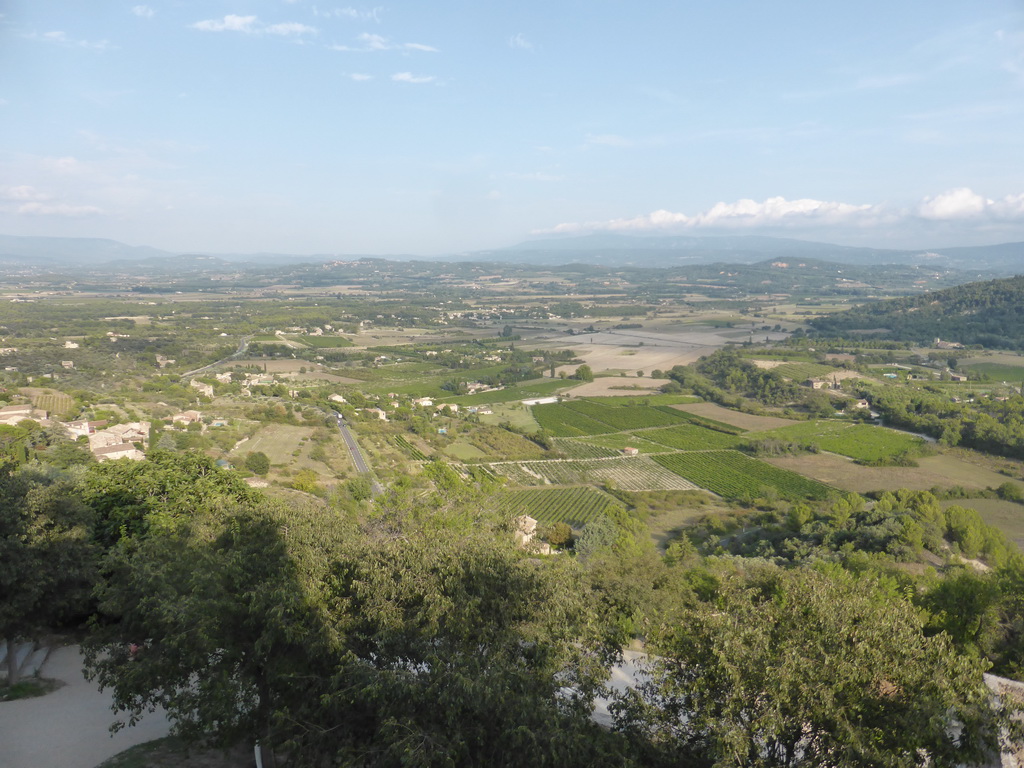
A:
{"x":628,"y":417}
{"x":632,"y":473}
{"x":562,"y":421}
{"x":861,"y":442}
{"x":735,"y":476}
{"x":575,"y":506}
{"x":691,"y":437}
{"x":56,"y":403}
{"x":606,"y":445}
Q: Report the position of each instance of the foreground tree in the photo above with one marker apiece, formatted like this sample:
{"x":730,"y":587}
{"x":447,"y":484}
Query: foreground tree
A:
{"x":47,"y":557}
{"x":413,"y":640}
{"x":802,"y":668}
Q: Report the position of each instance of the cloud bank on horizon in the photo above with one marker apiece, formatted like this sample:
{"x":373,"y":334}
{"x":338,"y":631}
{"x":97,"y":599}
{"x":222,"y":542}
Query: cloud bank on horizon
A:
{"x":956,"y":205}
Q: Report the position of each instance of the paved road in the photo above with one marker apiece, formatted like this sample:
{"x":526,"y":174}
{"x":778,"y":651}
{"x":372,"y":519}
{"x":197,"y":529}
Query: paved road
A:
{"x":68,"y":728}
{"x":242,"y":347}
{"x":357,"y":455}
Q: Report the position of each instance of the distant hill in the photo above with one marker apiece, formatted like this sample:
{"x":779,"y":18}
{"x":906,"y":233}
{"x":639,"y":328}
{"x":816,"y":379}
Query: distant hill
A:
{"x":987,"y":313}
{"x":65,"y":251}
{"x":603,"y":250}
{"x":611,"y":250}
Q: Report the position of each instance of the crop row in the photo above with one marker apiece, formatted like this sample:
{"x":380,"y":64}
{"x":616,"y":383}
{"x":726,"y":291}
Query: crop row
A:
{"x":628,"y":417}
{"x":576,"y":506}
{"x":691,"y":437}
{"x":635,"y":473}
{"x":562,"y":421}
{"x":403,"y":442}
{"x":733,"y":475}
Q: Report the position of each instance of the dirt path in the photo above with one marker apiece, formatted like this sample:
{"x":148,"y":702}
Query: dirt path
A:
{"x":67,"y":728}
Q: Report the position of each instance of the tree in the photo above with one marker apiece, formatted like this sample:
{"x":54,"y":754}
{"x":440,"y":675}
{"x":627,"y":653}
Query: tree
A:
{"x":806,"y":668}
{"x":418,"y":639}
{"x":130,"y":497}
{"x":47,"y":556}
{"x":257,"y":462}
{"x":584,"y":373}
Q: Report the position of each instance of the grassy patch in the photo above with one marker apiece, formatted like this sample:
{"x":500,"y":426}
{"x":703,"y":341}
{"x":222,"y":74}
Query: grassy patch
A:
{"x":464,"y":451}
{"x":998,"y":371}
{"x":29,"y":688}
{"x":862,"y":442}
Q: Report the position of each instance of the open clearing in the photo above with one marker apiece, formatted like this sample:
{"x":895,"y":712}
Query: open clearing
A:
{"x":1004,"y":515}
{"x":278,"y":441}
{"x":941,"y":471}
{"x":735,"y":418}
{"x":616,"y":386}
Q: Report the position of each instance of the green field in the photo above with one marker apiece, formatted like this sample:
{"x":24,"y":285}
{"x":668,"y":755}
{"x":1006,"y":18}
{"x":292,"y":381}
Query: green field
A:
{"x":732,"y":475}
{"x":861,"y":442}
{"x":575,"y":506}
{"x":562,"y":421}
{"x":998,"y":371}
{"x":627,"y":417}
{"x":691,"y":437}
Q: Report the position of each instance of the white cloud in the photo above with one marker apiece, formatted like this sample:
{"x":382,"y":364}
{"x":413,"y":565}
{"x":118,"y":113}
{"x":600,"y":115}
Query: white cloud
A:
{"x":349,"y":13}
{"x":374,"y":42}
{"x":518,"y":41}
{"x":290,"y":28}
{"x":22,"y":193}
{"x":360,"y":77}
{"x":230,"y":23}
{"x":143,"y":11}
{"x":59,"y":209}
{"x":409,"y":77}
{"x":956,"y":205}
{"x":251,"y":25}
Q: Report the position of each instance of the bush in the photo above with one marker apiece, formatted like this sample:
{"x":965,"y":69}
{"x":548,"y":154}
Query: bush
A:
{"x":257,"y":462}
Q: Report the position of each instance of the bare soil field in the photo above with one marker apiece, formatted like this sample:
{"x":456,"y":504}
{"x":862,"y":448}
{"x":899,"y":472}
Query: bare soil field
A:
{"x":612,"y":386}
{"x":943,"y":471}
{"x":745,"y":421}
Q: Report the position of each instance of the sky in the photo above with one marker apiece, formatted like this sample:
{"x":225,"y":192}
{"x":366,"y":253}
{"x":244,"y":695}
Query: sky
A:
{"x":437,"y":127}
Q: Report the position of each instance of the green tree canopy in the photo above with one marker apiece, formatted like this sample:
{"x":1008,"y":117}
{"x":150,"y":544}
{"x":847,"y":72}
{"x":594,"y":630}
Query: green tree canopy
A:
{"x":805,"y":668}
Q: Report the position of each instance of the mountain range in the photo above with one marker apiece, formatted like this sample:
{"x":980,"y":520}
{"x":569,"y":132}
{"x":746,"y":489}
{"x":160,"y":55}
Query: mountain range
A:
{"x":609,"y":250}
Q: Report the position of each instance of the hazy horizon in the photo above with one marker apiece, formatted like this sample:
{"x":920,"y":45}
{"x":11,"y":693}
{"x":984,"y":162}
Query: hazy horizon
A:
{"x":293,"y":127}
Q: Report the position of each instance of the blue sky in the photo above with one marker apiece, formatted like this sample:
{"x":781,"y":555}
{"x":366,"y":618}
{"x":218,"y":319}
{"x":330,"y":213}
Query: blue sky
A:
{"x":442,"y":126}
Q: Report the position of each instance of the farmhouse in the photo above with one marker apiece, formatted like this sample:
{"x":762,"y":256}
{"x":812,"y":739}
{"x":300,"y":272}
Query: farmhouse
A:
{"x":630,"y":450}
{"x":201,"y":388}
{"x":118,"y":451}
{"x":10,"y":415}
